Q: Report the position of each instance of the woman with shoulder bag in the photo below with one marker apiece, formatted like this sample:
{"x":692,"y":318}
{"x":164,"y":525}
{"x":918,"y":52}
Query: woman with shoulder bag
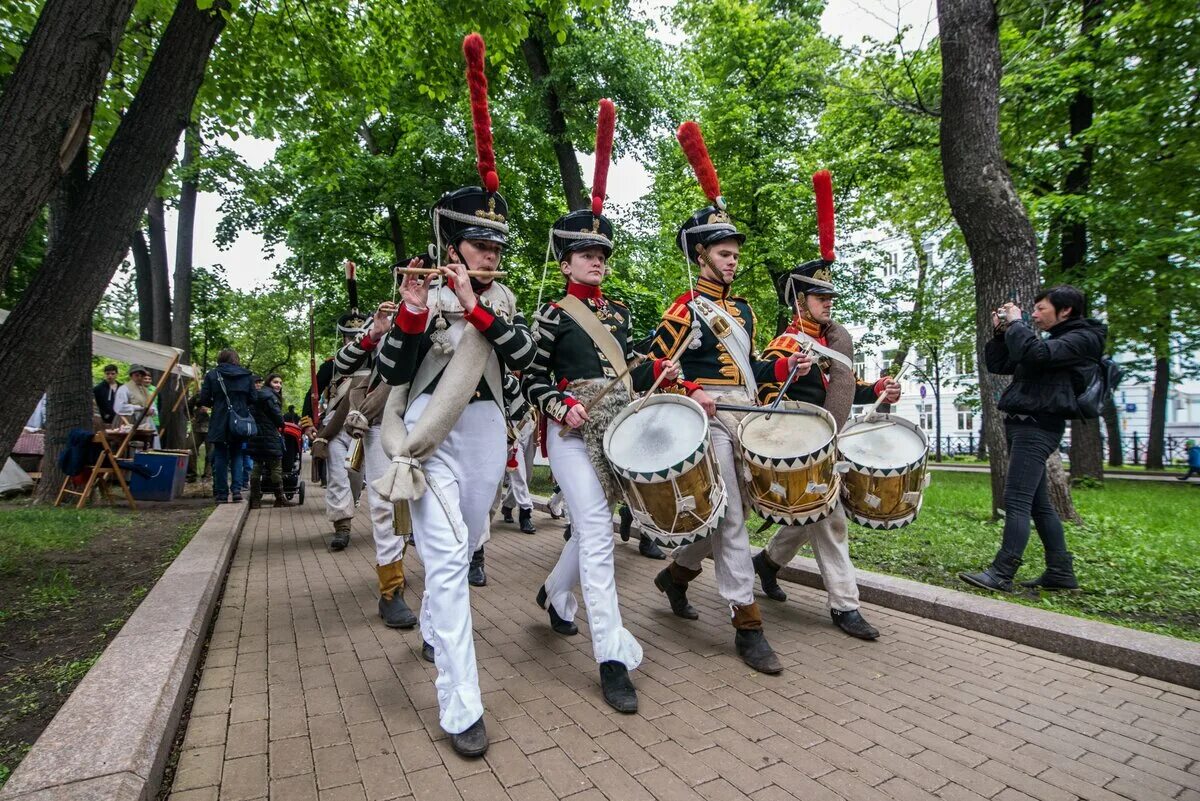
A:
{"x":266,"y":446}
{"x":227,"y":390}
{"x":1049,"y":373}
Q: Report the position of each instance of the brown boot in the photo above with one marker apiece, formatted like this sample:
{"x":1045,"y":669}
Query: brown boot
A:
{"x":393,"y":610}
{"x":751,"y":643}
{"x":341,"y":534}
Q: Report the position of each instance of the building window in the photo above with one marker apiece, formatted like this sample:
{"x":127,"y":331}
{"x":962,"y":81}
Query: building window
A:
{"x":892,"y":267}
{"x":966,"y":418}
{"x":925,"y":416}
{"x":860,"y":364}
{"x":964,"y":363}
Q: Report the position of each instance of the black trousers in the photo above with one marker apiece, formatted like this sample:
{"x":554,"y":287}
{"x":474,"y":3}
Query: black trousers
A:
{"x":1026,"y":497}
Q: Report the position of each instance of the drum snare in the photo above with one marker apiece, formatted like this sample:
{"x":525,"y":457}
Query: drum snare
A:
{"x":788,"y":463}
{"x":885,"y":484}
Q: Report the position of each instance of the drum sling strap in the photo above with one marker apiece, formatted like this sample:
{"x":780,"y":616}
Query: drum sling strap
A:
{"x":731,"y":335}
{"x":817,"y":347}
{"x":604,"y":341}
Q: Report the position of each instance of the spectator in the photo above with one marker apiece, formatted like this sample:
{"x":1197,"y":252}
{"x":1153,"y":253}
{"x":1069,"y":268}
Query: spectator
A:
{"x":290,"y":415}
{"x":1193,"y":460}
{"x":266,"y":447}
{"x":1048,"y":375}
{"x":199,"y":434}
{"x":105,"y":394}
{"x":227,"y":385}
{"x":132,"y":401}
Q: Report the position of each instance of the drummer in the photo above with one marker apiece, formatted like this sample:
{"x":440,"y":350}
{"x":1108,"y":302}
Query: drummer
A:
{"x":710,"y":332}
{"x":809,"y":291}
{"x":578,"y":340}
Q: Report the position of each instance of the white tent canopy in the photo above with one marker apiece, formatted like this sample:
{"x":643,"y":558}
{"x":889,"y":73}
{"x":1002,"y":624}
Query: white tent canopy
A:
{"x":134,"y":351}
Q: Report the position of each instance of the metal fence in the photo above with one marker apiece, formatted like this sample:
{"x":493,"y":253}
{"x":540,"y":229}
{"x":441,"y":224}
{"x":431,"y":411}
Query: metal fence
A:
{"x":1133,"y":445}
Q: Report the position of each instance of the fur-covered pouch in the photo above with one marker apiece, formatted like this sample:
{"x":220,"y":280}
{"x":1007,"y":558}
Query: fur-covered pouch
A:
{"x":593,"y":431}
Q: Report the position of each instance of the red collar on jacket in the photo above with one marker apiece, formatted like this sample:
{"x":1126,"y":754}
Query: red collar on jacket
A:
{"x":813,"y":329}
{"x":585,"y":292}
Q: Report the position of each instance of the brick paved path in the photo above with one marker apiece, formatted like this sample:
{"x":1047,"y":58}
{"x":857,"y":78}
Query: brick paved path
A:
{"x":305,"y":695}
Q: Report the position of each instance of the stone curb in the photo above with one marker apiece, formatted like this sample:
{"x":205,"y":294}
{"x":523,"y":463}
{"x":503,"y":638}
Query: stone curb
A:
{"x":1153,"y":655}
{"x":111,"y":739}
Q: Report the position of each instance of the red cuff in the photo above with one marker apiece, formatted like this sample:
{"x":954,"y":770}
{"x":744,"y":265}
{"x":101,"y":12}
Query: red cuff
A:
{"x":781,"y":370}
{"x":690,"y":386}
{"x":658,"y":368}
{"x":411,"y":322}
{"x":366,"y":343}
{"x":480,"y":317}
{"x":570,"y":401}
{"x":878,"y":388}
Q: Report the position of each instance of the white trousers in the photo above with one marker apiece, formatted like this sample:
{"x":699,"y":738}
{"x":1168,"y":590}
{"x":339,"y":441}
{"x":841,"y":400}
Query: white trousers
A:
{"x":339,"y":505}
{"x":587,"y":558}
{"x":729,"y":545}
{"x":449,"y":521}
{"x":518,"y":478}
{"x":830,"y":542}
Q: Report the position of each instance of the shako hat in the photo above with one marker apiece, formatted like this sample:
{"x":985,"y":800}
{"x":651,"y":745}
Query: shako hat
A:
{"x":350,"y":323}
{"x":474,"y":212}
{"x":712,"y":223}
{"x":589,"y":228}
{"x":814,"y":277}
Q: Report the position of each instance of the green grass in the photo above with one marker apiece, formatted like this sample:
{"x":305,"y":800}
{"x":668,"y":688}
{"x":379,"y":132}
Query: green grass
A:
{"x":27,"y":530}
{"x":1135,"y":554}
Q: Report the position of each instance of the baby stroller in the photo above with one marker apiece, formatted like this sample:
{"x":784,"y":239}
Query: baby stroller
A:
{"x":293,"y":446}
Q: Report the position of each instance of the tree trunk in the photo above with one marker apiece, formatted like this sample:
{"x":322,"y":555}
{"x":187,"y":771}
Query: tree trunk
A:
{"x":141,"y":278}
{"x":1158,"y":413}
{"x":45,"y":110}
{"x":160,"y":286}
{"x":1112,"y":427}
{"x":1060,"y":489}
{"x":73,"y":276}
{"x":556,"y":124}
{"x":995,"y":226}
{"x":181,"y":316}
{"x":1087,"y":450}
{"x":69,"y":395}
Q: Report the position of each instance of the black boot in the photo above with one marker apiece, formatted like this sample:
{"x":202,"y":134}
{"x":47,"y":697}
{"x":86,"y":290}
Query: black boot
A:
{"x":564,"y":627}
{"x":426,"y":652}
{"x":626,"y":523}
{"x":506,"y":514}
{"x":525,"y":518}
{"x":755,"y":651}
{"x":767,"y":572}
{"x":998,"y":576}
{"x":1059,"y":575}
{"x":395,"y":613}
{"x":649,"y":548}
{"x":471,"y":743}
{"x":341,"y":536}
{"x":567,"y":533}
{"x":617,"y":688}
{"x":676,"y":593}
{"x":853,"y":623}
{"x":475,"y":575}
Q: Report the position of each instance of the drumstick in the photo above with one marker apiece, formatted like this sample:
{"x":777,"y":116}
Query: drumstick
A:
{"x":805,"y":349}
{"x":733,"y":407}
{"x":638,"y":358}
{"x":863,"y":430}
{"x":683,"y":343}
{"x":896,"y":377}
{"x":434,"y":271}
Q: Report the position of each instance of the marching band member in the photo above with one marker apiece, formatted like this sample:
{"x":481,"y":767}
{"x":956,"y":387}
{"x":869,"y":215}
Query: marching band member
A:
{"x":444,"y":422}
{"x":523,"y":433}
{"x":580,"y":380}
{"x":808,"y":290}
{"x":361,"y":429}
{"x":330,"y":444}
{"x":718,"y":358}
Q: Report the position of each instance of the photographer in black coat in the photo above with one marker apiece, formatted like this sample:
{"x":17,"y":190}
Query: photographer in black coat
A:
{"x":1049,"y":372}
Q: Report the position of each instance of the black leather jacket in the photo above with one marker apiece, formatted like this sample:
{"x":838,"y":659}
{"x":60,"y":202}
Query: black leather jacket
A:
{"x":1048,"y":374}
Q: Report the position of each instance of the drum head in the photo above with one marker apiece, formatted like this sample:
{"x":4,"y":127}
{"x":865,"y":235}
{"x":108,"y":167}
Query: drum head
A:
{"x":786,"y":436}
{"x":890,"y":446}
{"x":664,"y":433}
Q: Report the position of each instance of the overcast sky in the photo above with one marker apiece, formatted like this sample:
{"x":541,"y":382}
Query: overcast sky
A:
{"x":248,"y":267}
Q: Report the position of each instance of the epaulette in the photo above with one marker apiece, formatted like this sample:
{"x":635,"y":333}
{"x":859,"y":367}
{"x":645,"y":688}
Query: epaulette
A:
{"x":785,"y":343}
{"x":678,"y":311}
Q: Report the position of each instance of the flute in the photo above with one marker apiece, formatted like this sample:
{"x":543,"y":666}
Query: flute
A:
{"x":435,"y":271}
